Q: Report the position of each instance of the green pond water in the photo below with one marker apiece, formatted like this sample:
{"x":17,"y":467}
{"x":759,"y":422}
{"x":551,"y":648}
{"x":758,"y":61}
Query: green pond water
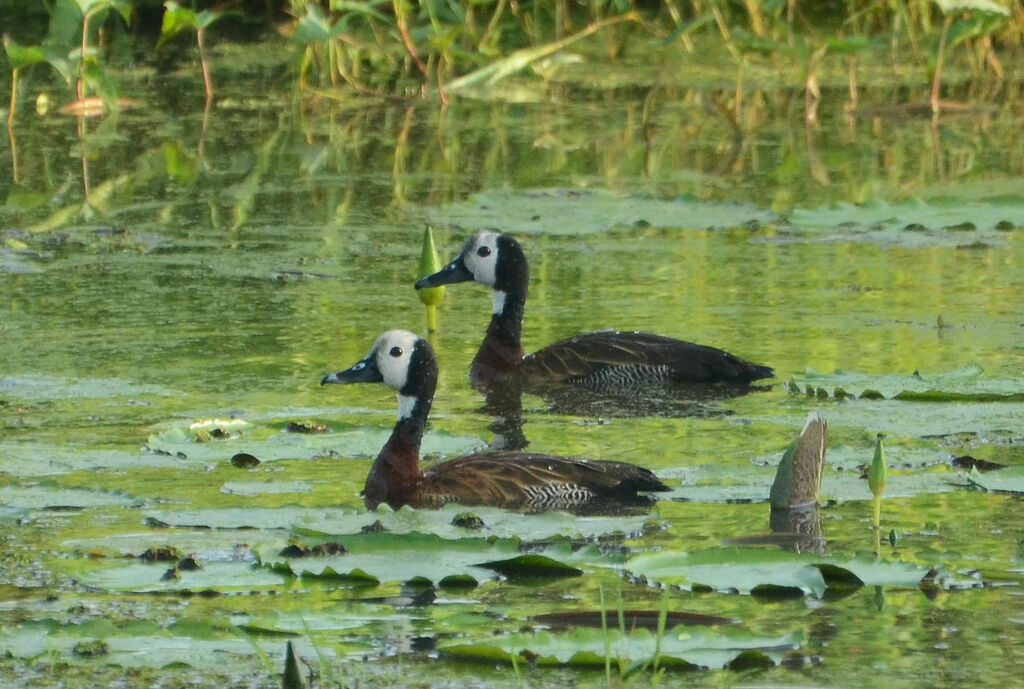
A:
{"x":173,"y":287}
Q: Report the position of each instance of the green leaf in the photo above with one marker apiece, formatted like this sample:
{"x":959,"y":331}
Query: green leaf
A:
{"x":1009,"y":480}
{"x":965,"y":384}
{"x":150,"y":578}
{"x":312,"y":27}
{"x":587,"y":211}
{"x":386,"y":557}
{"x":532,"y":566}
{"x":176,"y":19}
{"x":739,"y":569}
{"x":680,"y":648}
{"x":430,"y":263}
{"x":496,"y":522}
{"x":270,"y":443}
{"x":915,"y":222}
{"x":65,"y":25}
{"x":19,"y":56}
{"x":397,"y":558}
{"x":747,"y":570}
{"x":205,"y":18}
{"x":973,"y":27}
{"x":876,"y":472}
{"x":50,"y":495}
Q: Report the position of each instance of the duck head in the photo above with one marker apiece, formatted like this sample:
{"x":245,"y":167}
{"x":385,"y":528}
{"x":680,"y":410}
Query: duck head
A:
{"x":402,"y":361}
{"x":490,"y":258}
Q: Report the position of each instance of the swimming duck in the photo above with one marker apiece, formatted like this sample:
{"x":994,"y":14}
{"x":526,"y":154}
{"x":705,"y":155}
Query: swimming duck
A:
{"x":516,"y":480}
{"x":605,"y":359}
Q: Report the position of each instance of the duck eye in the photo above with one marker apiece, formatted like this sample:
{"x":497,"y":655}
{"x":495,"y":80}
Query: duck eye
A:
{"x":395,"y":352}
{"x":483,"y":251}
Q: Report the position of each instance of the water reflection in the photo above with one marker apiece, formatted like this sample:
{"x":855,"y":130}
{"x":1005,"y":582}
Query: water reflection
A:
{"x":504,"y":401}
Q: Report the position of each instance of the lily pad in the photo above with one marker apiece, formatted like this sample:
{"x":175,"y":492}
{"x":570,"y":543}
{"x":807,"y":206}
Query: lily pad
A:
{"x":749,"y":570}
{"x":158,"y":648}
{"x":45,"y":388}
{"x":915,"y":222}
{"x":586,"y":211}
{"x":917,"y":470}
{"x":52,"y":496}
{"x":966,"y":384}
{"x":219,"y":440}
{"x":265,"y":487}
{"x":451,"y":520}
{"x":206,"y":545}
{"x":222,"y":577}
{"x":43,"y":459}
{"x":246,"y":517}
{"x":1009,"y":480}
{"x":683,"y":648}
{"x":377,"y":558}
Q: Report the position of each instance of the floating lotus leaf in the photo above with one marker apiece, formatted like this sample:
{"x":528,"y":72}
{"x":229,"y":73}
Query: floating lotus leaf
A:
{"x":147,"y":648}
{"x":747,"y":570}
{"x":587,"y":211}
{"x":212,"y":442}
{"x":1009,"y":480}
{"x":385,"y":557}
{"x":266,"y":487}
{"x":48,"y":459}
{"x":206,"y":545}
{"x":223,"y":577}
{"x":39,"y":387}
{"x":916,"y":470}
{"x":966,"y":384}
{"x":681,"y":647}
{"x":493,"y":522}
{"x":50,"y":496}
{"x":248,"y":517}
{"x":938,"y":221}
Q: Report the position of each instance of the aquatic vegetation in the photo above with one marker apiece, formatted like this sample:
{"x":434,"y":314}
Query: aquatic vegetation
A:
{"x":177,"y":19}
{"x":230,"y":258}
{"x":430,"y":262}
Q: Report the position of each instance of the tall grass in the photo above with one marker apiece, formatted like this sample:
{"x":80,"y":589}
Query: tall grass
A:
{"x":411,"y":48}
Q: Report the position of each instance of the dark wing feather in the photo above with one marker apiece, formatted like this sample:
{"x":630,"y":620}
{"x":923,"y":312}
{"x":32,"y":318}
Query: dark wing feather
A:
{"x":585,"y":356}
{"x":522,"y":479}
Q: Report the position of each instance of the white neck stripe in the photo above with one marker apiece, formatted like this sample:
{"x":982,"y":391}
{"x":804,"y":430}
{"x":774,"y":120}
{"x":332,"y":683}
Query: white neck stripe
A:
{"x":406,"y":403}
{"x":498,"y":299}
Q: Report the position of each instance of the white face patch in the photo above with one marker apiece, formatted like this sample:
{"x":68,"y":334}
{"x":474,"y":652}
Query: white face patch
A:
{"x":481,"y":258}
{"x":393,"y":352}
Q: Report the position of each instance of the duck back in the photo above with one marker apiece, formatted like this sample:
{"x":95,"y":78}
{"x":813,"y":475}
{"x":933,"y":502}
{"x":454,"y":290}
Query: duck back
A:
{"x":532,"y":481}
{"x":617,"y":359}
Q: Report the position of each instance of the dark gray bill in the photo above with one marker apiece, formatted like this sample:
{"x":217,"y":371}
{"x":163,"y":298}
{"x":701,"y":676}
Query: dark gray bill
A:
{"x":453,"y":272}
{"x":364,"y":371}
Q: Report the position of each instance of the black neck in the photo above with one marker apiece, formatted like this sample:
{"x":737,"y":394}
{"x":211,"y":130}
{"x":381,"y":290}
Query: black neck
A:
{"x":508,"y":324}
{"x":396,"y":471}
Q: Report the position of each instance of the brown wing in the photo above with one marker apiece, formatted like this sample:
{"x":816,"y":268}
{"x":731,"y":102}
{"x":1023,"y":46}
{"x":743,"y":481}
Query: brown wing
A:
{"x":530,"y":480}
{"x":643,"y":356}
